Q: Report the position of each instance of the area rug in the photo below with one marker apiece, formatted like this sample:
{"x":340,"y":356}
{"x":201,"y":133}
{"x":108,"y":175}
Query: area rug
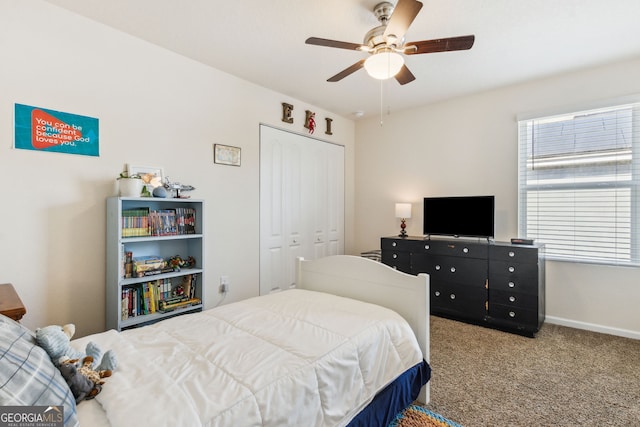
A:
{"x":417,"y":416}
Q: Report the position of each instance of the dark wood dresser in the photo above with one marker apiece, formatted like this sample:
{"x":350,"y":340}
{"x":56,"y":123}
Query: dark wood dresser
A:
{"x":495,"y":284}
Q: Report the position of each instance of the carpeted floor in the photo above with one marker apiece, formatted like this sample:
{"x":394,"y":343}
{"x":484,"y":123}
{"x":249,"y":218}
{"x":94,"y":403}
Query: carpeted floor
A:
{"x":563,"y":377}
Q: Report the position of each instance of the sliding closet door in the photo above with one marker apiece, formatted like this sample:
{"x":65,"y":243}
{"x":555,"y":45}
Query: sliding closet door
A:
{"x":301,"y":203}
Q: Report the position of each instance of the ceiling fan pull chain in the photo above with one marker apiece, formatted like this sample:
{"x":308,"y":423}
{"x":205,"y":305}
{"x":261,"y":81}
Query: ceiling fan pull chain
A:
{"x":381,"y":103}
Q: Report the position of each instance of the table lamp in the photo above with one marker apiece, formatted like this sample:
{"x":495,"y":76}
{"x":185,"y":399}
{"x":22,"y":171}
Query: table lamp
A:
{"x":403,"y":211}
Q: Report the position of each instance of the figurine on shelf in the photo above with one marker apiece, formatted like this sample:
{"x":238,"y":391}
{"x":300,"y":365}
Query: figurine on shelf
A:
{"x":178,"y":188}
{"x":177,"y":262}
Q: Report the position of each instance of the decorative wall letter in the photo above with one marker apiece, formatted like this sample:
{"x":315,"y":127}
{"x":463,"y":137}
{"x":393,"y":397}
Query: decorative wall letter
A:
{"x":328,"y":131}
{"x":286,"y":112}
{"x":309,"y":121}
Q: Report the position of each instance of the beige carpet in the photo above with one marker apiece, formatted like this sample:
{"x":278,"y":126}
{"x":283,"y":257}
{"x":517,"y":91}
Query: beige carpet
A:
{"x":563,"y":377}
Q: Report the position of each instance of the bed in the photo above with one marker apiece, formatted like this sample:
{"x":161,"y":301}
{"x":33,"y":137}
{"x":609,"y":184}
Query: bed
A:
{"x":347,"y":345}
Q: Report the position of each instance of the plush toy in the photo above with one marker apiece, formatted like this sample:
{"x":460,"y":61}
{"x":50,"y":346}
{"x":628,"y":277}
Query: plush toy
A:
{"x":84,"y":382}
{"x":55,"y":340}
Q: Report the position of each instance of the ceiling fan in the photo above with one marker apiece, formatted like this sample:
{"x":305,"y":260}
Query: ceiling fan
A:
{"x":385,"y":43}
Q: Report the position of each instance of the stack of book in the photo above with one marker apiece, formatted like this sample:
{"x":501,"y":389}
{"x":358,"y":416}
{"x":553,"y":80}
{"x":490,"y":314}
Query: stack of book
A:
{"x":186,"y":220}
{"x":175,"y":303}
{"x":135,"y":222}
{"x":155,"y":296}
{"x":150,"y":265}
{"x":163,"y":222}
{"x":160,"y":222}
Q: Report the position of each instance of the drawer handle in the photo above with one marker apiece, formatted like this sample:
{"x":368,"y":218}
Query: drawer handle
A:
{"x":395,"y":256}
{"x":426,"y":247}
{"x":512,"y":314}
{"x":512,"y":299}
{"x":512,"y":285}
{"x":512,"y":254}
{"x":453,"y":269}
{"x":512,"y":269}
{"x":465,"y":250}
{"x":394,"y":244}
{"x":452,"y":296}
{"x":437,"y":293}
{"x":437,"y":268}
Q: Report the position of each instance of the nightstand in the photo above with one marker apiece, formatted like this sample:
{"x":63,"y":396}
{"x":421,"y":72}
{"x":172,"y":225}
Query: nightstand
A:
{"x":10,"y":303}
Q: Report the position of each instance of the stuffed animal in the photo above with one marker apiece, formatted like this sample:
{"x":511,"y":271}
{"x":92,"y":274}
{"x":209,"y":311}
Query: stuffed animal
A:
{"x":55,"y":340}
{"x":84,"y":382}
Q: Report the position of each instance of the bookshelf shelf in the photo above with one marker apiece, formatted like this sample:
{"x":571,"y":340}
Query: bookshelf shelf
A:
{"x":160,"y":238}
{"x":148,"y":319}
{"x":135,"y":301}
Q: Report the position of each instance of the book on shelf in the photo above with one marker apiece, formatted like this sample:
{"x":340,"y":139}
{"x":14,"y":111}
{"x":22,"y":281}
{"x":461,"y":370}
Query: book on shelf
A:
{"x":135,"y":222}
{"x":160,"y":295}
{"x":163,"y":222}
{"x":164,"y":307}
{"x":144,"y":264}
{"x":156,"y":272}
{"x":186,"y":220}
{"x":140,"y":222}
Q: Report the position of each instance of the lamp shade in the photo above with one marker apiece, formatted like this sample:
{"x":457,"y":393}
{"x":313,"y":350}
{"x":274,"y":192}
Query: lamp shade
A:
{"x":403,"y":210}
{"x":384,"y":65}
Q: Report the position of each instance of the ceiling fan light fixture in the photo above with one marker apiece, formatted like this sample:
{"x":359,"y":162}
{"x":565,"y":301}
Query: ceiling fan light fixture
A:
{"x":384,"y":65}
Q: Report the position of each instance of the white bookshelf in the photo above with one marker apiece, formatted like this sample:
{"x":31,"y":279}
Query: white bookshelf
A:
{"x":184,"y":245}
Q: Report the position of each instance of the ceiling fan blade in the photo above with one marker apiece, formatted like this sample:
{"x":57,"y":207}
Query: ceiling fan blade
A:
{"x":403,"y":15}
{"x":332,"y":43}
{"x":440,"y":45}
{"x":347,"y":71}
{"x":405,"y":76}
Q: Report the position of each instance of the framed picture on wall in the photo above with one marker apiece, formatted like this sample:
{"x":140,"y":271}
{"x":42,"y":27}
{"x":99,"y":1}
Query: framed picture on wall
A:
{"x":226,"y":155}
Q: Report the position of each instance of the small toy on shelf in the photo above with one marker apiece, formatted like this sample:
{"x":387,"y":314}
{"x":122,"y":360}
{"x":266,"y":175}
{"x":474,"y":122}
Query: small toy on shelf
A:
{"x":178,"y":188}
{"x":177,"y":262}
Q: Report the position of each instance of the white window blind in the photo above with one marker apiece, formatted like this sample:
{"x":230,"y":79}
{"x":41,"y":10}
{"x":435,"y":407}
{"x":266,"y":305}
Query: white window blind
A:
{"x":578,"y":184}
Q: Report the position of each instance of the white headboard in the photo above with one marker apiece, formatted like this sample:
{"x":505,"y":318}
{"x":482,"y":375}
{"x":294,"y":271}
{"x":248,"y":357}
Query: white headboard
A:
{"x":370,"y":281}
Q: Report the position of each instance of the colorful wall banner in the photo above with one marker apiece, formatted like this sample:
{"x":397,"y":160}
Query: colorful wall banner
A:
{"x":48,"y":130}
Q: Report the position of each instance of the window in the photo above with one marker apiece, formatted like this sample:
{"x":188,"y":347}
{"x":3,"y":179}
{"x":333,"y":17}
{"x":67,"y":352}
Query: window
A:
{"x":578,"y":184}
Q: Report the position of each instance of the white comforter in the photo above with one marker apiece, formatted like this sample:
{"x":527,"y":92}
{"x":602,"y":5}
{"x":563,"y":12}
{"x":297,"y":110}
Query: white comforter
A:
{"x":294,"y":358}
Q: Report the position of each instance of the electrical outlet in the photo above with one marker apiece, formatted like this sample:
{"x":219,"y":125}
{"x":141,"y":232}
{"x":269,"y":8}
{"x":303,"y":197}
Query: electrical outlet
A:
{"x":224,"y":284}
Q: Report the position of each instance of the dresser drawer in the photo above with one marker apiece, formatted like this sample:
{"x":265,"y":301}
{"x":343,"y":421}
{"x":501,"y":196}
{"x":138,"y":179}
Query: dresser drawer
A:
{"x":517,"y":254}
{"x":398,"y":260}
{"x":397,"y":244}
{"x":513,"y":314}
{"x":458,"y":299}
{"x":513,"y":270}
{"x":458,"y":249}
{"x":528,"y":285}
{"x":514,"y":299}
{"x":470,"y":271}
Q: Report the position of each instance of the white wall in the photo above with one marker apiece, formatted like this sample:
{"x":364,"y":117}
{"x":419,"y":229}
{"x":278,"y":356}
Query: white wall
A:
{"x":155,"y":108}
{"x":469,"y":146}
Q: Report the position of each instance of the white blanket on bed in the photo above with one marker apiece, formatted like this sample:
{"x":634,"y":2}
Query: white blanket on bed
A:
{"x":294,"y":358}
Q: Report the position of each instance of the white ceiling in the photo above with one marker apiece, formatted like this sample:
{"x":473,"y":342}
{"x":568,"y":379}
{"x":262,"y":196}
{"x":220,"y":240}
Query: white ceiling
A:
{"x":263,"y":42}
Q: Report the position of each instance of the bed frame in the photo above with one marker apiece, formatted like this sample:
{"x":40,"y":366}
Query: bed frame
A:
{"x":373,"y":282}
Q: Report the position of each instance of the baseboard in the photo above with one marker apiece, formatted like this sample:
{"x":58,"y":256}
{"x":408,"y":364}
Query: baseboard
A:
{"x":593,"y":327}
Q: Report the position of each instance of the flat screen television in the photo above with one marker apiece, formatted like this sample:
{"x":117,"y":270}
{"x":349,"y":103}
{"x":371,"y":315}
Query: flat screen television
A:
{"x":471,"y":216}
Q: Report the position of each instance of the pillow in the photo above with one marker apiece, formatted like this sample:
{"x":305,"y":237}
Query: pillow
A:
{"x":27,"y":375}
